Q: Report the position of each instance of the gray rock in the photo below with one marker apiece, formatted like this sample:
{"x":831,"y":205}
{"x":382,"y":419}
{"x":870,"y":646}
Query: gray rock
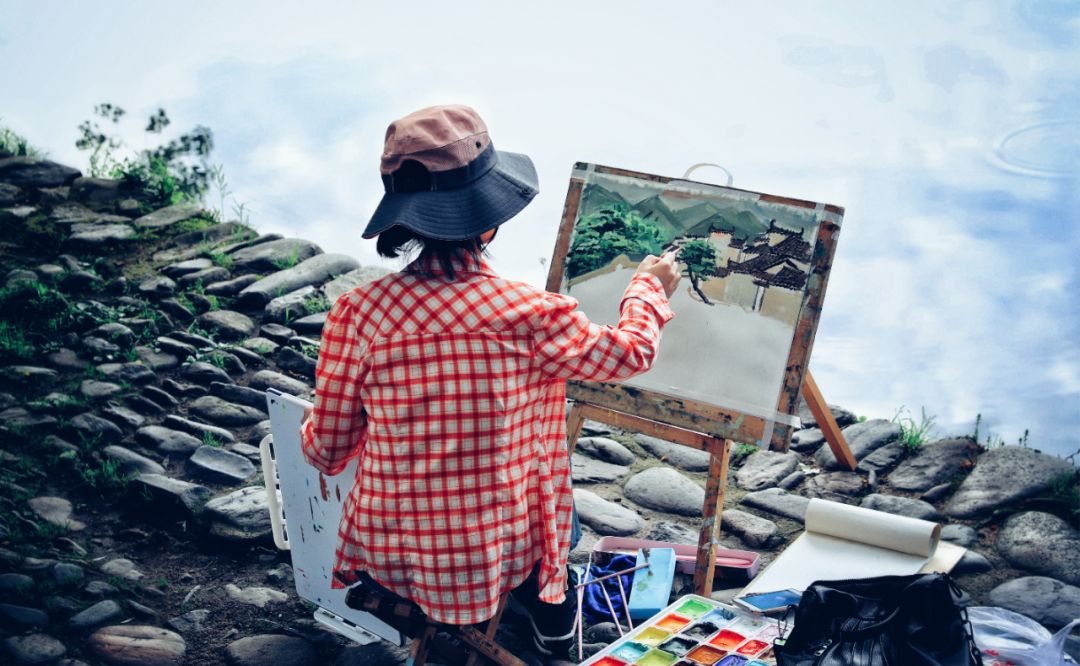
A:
{"x":231,"y":287}
{"x":168,"y":216}
{"x":379,"y":653}
{"x":137,"y":645}
{"x":66,"y":359}
{"x":168,"y":440}
{"x":241,"y":515}
{"x":901,"y":506}
{"x":606,"y":449}
{"x":217,"y":232}
{"x":683,"y":457}
{"x":313,"y":271}
{"x":274,"y":255}
{"x":100,"y":193}
{"x":764,"y":469}
{"x":808,"y":440}
{"x":883,"y":459}
{"x":843,"y":417}
{"x":1003,"y":476}
{"x":934,"y":464}
{"x":792,"y":481}
{"x":606,"y":517}
{"x":1043,"y":543}
{"x":31,"y":172}
{"x":133,"y":372}
{"x":937,"y":493}
{"x":99,"y":347}
{"x":99,"y":589}
{"x":271,"y":649}
{"x":173,"y":492}
{"x":115,"y":332}
{"x":961,"y":535}
{"x":219,"y":465}
{"x":972,"y":563}
{"x":586,"y":470}
{"x":241,"y":395}
{"x":200,"y":430}
{"x":205,"y":276}
{"x":190,"y":622}
{"x":335,"y":288}
{"x":755,"y":531}
{"x":66,"y":573}
{"x":1045,"y":600}
{"x":29,"y":376}
{"x":20,"y":618}
{"x":255,"y":596}
{"x":181,"y":350}
{"x":779,"y":502}
{"x":294,"y":361}
{"x":863,"y":439}
{"x":9,"y":195}
{"x":311,"y":324}
{"x":91,"y":235}
{"x":75,"y":213}
{"x":276,"y":332}
{"x":288,"y":307}
{"x":835,"y":485}
{"x":96,"y":615}
{"x":246,"y":450}
{"x":227,"y":324}
{"x":673,"y":533}
{"x":34,"y":648}
{"x":201,"y":372}
{"x":12,"y":584}
{"x":221,"y":412}
{"x":265,"y":379}
{"x":664,"y":489}
{"x":157,"y":361}
{"x":187,"y":267}
{"x":177,"y":310}
{"x":261,"y":346}
{"x":56,"y":511}
{"x":122,"y":567}
{"x":97,"y":390}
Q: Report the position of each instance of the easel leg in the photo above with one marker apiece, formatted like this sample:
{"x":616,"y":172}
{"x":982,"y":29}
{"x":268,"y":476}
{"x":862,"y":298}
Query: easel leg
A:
{"x":492,"y":627}
{"x":574,"y":423}
{"x":420,"y":647}
{"x":827,"y":422}
{"x":715,"y":487}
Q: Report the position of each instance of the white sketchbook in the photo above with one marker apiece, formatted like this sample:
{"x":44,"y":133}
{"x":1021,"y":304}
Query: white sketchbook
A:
{"x":305,"y":511}
{"x":845,"y":542}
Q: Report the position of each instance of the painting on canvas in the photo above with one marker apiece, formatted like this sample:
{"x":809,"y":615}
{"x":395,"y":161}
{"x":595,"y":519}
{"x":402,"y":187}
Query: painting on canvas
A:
{"x":747,"y":259}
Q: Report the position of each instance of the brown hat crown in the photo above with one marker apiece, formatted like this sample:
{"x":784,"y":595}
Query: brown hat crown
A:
{"x":440,"y":138}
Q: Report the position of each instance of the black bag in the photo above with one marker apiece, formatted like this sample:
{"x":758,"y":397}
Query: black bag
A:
{"x":886,"y":621}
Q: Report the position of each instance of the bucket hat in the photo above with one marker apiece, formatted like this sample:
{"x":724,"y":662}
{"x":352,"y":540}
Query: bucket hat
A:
{"x":445,"y":180}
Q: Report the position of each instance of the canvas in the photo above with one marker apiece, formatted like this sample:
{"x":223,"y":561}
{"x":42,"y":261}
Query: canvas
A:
{"x":751,"y":264}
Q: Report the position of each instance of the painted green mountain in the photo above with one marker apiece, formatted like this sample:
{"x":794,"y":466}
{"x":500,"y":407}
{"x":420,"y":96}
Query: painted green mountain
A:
{"x":596,"y":197}
{"x":741,"y":223}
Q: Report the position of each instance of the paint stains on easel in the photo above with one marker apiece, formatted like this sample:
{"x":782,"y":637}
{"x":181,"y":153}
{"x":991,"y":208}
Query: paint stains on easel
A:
{"x":337,"y":492}
{"x":311,"y":507}
{"x":323,"y":490}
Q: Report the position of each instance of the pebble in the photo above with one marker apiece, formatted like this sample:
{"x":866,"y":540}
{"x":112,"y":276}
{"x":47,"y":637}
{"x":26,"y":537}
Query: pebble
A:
{"x":186,"y":267}
{"x":202,"y":372}
{"x":287,"y":307}
{"x":168,"y":440}
{"x":123,"y":568}
{"x":35,"y":648}
{"x":133,"y":372}
{"x":55,"y":510}
{"x":311,"y":324}
{"x":122,"y":416}
{"x":834,"y":485}
{"x":313,"y":271}
{"x":99,"y":589}
{"x":683,"y":457}
{"x":191,"y":622}
{"x":935,"y":463}
{"x":586,"y":470}
{"x":883,"y":459}
{"x":276,"y":332}
{"x":276,"y":649}
{"x":131,"y":462}
{"x":227,"y":324}
{"x":779,"y":502}
{"x":240,"y":515}
{"x":1042,"y":543}
{"x":1002,"y":476}
{"x":664,"y":489}
{"x":755,"y":531}
{"x":137,"y":645}
{"x":606,"y":449}
{"x":216,"y":464}
{"x":261,"y":346}
{"x":175,"y":492}
{"x":902,"y":506}
{"x":66,"y":573}
{"x":221,"y":412}
{"x":267,"y":257}
{"x":336,"y":288}
{"x":961,"y":535}
{"x":792,"y":481}
{"x":765,"y":469}
{"x":12,"y":584}
{"x":604,"y":516}
{"x":294,"y":361}
{"x":199,"y":429}
{"x":863,"y":439}
{"x":242,"y":395}
{"x":972,"y":563}
{"x":168,"y":216}
{"x":255,"y":596}
{"x":158,"y":285}
{"x":96,"y":615}
{"x":1047,"y":601}
{"x":264,"y":379}
{"x":30,"y":376}
{"x":98,"y":390}
{"x":807,"y":441}
{"x":843,"y":416}
{"x":157,"y":361}
{"x":21,"y":618}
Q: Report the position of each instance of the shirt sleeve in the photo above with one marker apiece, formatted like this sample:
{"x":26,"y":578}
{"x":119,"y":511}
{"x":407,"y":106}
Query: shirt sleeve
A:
{"x":337,"y":428}
{"x":570,"y":347}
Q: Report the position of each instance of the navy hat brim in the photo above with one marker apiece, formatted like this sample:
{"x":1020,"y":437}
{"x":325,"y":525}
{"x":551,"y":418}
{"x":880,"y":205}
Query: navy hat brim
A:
{"x":463,"y":212}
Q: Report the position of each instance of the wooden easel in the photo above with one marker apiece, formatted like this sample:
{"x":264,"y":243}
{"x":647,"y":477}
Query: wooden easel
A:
{"x":827,"y":422}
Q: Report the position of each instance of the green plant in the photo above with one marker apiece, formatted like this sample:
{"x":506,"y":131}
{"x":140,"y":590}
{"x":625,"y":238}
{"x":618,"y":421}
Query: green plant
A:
{"x":14,"y":345}
{"x":914,"y":434}
{"x":169,"y":173}
{"x":742,"y":450}
{"x":161,"y":582}
{"x":316,"y":304}
{"x":311,"y":351}
{"x":194,"y":224}
{"x":16,"y":145}
{"x":104,"y":476}
{"x":48,"y":531}
{"x":287,"y":262}
{"x":33,"y":314}
{"x":221,"y":259}
{"x":209,"y":439}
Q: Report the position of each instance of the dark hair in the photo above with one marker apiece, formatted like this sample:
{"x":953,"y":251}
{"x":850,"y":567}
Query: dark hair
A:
{"x":398,"y":241}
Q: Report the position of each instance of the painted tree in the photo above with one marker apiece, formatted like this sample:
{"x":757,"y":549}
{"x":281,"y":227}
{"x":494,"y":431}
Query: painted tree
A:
{"x":604,"y":234}
{"x":700,"y":259}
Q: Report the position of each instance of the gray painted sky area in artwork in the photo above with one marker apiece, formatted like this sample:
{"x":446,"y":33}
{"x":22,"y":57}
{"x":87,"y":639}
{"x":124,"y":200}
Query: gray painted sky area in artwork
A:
{"x":949,"y":131}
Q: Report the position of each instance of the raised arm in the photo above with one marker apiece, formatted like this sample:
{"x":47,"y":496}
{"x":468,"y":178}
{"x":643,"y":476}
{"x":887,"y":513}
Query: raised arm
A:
{"x":337,"y":428}
{"x":571,"y":347}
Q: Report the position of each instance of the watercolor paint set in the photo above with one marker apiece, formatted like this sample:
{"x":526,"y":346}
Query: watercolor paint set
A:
{"x":695,"y":631}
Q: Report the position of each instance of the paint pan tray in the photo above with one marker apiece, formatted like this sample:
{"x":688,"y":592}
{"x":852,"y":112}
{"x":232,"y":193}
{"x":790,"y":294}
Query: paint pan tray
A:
{"x":735,"y":566}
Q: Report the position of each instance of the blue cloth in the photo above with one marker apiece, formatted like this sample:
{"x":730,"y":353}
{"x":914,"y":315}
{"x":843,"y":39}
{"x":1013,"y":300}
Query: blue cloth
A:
{"x":594,"y":607}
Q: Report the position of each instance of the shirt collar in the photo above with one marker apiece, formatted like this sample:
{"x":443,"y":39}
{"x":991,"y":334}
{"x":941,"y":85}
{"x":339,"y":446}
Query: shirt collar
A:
{"x":467,"y":264}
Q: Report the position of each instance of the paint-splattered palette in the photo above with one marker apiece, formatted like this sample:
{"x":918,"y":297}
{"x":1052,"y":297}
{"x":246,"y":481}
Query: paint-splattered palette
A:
{"x":695,"y":631}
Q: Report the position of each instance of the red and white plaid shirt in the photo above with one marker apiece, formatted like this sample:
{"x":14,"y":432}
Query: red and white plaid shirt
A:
{"x":452,"y":393}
